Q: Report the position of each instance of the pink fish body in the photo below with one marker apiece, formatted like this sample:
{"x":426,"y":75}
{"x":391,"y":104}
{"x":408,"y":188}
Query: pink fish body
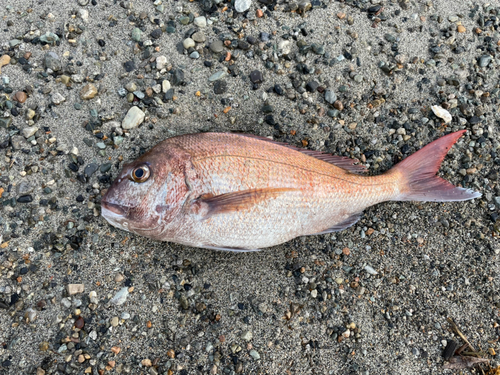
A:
{"x":240,"y":193}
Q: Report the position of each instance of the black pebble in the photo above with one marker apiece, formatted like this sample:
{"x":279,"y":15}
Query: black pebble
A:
{"x":169,"y":94}
{"x":25,"y":199}
{"x":312,"y":86}
{"x":256,"y":77}
{"x":101,"y":42}
{"x":279,"y":90}
{"x":156,"y":33}
{"x":129,"y":66}
{"x":220,"y":87}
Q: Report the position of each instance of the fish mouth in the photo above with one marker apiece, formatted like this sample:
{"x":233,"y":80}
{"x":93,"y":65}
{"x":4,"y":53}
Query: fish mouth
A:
{"x":118,"y":216}
{"x":114,"y":208}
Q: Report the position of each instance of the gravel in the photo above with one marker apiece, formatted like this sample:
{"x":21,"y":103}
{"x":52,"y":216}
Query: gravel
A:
{"x":88,"y":86}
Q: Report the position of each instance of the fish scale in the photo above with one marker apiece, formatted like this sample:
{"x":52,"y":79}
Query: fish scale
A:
{"x":241,"y":192}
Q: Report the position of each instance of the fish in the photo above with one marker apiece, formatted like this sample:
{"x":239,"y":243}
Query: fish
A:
{"x":241,"y":192}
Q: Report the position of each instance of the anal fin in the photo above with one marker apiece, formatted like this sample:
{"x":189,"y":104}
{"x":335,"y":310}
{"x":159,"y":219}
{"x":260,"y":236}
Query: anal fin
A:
{"x":232,"y":249}
{"x":349,"y":222}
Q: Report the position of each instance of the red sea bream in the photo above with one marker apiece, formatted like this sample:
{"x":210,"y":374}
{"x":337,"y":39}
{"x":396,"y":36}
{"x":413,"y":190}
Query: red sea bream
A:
{"x":240,"y":192}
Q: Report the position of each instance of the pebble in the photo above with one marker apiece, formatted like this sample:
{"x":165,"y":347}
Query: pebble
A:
{"x":20,"y":96}
{"x":133,"y":118}
{"x":217,"y":75}
{"x":161,"y":61}
{"x":199,"y":37}
{"x":120,"y":297}
{"x":136,"y":34}
{"x":29,"y":131}
{"x":330,"y":96}
{"x":256,"y":76}
{"x":188,"y":43}
{"x":156,"y":33}
{"x":255,"y":354}
{"x":83,"y":14}
{"x":484,"y":61}
{"x":220,"y":87}
{"x":49,"y":38}
{"x":88,"y":91}
{"x":4,"y":60}
{"x":200,"y":21}
{"x":165,"y":86}
{"x":217,"y":46}
{"x":370,"y":270}
{"x":242,"y":5}
{"x":442,"y":113}
{"x":57,"y":98}
{"x":114,"y":321}
{"x":177,"y":77}
{"x":75,"y":288}
{"x":51,"y":61}
{"x":247,"y":336}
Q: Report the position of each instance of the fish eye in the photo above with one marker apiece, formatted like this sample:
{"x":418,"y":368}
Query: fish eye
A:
{"x":141,"y":173}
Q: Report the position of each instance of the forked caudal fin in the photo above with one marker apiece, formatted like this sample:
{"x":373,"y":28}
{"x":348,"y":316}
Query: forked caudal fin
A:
{"x":419,"y":172}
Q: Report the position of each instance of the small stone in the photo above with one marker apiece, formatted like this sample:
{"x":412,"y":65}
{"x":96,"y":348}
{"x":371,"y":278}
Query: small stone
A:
{"x":217,"y":75}
{"x":88,"y":91}
{"x":24,"y":188}
{"x":136,"y":34}
{"x":133,"y":118}
{"x":75,"y":288}
{"x":199,"y":37}
{"x":120,"y":297}
{"x":131,"y":86}
{"x":370,"y":270}
{"x":256,"y":76}
{"x":57,"y":98}
{"x":484,"y":61}
{"x":247,"y":336}
{"x":330,"y":96}
{"x":254,"y":354}
{"x":188,"y":43}
{"x":312,"y":86}
{"x":4,"y":60}
{"x":220,"y":87}
{"x":200,"y":21}
{"x":161,"y":61}
{"x":156,"y":33}
{"x":242,"y":5}
{"x":83,"y":14}
{"x":338,"y":105}
{"x":194,"y":55}
{"x":217,"y":46}
{"x":177,"y":77}
{"x":442,"y":113}
{"x":129,"y":66}
{"x":114,"y":321}
{"x":29,"y":131}
{"x":51,"y":61}
{"x":20,"y":96}
{"x":146,"y":362}
{"x":461,"y":29}
{"x":165,"y":86}
{"x":49,"y":38}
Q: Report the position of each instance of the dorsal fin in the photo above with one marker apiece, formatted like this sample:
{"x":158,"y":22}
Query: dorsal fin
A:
{"x":340,"y":161}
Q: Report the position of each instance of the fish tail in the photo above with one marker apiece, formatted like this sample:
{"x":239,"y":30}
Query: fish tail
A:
{"x":418,"y":175}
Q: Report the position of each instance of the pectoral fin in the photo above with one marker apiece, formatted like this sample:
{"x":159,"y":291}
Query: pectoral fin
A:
{"x":208,"y":205}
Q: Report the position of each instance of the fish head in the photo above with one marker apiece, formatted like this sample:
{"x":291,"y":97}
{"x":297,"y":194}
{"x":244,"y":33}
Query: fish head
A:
{"x":137,"y":201}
